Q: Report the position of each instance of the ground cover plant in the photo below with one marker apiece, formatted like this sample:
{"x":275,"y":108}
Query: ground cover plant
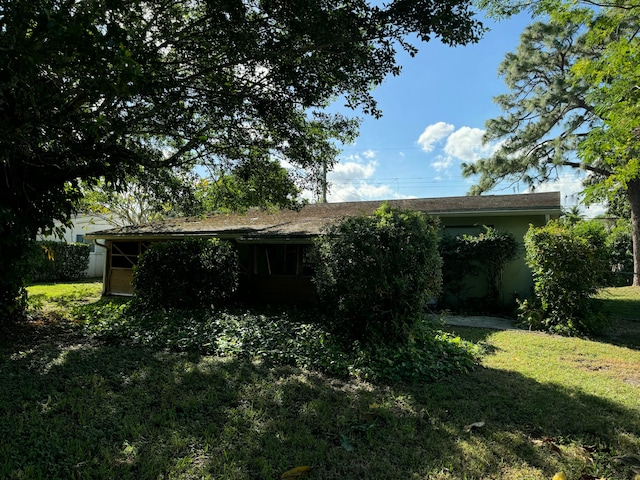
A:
{"x":76,"y":406}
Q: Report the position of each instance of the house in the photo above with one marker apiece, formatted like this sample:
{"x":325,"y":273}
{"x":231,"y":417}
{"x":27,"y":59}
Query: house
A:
{"x":81,"y":226}
{"x":274,"y":247}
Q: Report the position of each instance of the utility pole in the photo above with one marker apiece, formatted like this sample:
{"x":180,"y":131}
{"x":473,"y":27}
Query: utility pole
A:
{"x":323,"y":197}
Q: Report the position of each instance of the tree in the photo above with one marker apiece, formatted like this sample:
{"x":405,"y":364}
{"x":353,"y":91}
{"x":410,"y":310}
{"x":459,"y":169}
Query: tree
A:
{"x":560,"y":111}
{"x":571,"y":216}
{"x":173,"y":192}
{"x":98,"y":90}
{"x":142,"y":199}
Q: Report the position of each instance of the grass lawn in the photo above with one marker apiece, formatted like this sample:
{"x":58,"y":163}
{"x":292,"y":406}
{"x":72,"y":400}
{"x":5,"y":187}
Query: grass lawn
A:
{"x":75,"y":407}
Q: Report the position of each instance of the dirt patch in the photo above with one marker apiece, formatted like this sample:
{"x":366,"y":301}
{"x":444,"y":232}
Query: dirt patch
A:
{"x":626,"y":371}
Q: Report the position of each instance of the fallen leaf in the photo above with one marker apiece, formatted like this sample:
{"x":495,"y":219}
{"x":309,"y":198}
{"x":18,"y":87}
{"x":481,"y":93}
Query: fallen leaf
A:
{"x":473,"y":426}
{"x":560,"y":476}
{"x":297,"y":472}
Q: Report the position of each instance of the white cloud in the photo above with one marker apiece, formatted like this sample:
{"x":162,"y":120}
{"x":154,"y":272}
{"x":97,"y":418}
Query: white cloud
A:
{"x":352,"y":171}
{"x":369,"y":154}
{"x":466,"y":144}
{"x":351,"y":181}
{"x":442,"y":163}
{"x":433,"y":134}
{"x":360,"y":191}
{"x":463,"y":145}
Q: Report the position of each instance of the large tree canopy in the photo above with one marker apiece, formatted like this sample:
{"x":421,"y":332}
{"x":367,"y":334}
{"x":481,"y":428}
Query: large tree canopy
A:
{"x":97,"y":89}
{"x":572,"y":103}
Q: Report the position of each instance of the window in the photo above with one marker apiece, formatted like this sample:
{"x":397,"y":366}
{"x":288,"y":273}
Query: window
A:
{"x":125,"y":254}
{"x":80,"y":239}
{"x":284,"y":259}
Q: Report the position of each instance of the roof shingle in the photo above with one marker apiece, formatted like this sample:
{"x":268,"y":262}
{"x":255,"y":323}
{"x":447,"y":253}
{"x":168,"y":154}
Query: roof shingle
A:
{"x":312,"y":219}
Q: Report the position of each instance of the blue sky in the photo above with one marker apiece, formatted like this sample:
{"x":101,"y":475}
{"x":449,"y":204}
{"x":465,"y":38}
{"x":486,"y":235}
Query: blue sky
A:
{"x":433,"y":119}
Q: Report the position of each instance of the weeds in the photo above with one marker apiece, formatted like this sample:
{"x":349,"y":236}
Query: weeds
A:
{"x":291,"y":337}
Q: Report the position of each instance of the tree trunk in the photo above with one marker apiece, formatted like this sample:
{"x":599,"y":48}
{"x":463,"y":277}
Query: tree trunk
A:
{"x":633,"y":191}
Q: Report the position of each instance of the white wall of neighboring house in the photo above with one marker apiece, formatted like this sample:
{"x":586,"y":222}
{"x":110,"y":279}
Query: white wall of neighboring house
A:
{"x":81,"y":226}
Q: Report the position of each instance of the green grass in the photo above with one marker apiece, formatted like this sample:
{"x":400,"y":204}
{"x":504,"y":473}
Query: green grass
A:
{"x":622,"y":302}
{"x":75,"y":407}
{"x":60,"y":297}
{"x":622,"y":305}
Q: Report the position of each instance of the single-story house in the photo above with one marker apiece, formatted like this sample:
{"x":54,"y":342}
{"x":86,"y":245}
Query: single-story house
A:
{"x":274,"y":246}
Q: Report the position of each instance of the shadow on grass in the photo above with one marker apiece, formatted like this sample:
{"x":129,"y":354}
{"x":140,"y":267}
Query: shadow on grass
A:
{"x":95,"y":411}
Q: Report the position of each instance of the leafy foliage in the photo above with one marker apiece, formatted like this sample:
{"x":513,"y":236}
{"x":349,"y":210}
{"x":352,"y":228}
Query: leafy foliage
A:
{"x":188,"y":273}
{"x":110,"y":90}
{"x":252,"y":184}
{"x":572,"y":103}
{"x":280,"y":338}
{"x":376,"y":274}
{"x":569,"y":265}
{"x":141,"y":198}
{"x":464,"y":257}
{"x":621,"y":252}
{"x":60,"y":261}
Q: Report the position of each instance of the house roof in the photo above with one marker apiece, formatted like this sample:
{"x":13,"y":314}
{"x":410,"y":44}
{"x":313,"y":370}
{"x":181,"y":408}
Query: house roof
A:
{"x":312,"y":219}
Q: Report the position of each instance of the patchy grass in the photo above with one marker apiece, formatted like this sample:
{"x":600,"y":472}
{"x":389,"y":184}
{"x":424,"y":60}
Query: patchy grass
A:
{"x":47,"y":298}
{"x":81,"y":408}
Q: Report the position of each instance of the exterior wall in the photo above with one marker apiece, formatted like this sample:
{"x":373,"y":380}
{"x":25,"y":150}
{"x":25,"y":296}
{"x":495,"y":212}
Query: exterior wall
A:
{"x":83,"y":225}
{"x":264,"y":282}
{"x":517,"y":279}
{"x":261,"y":281}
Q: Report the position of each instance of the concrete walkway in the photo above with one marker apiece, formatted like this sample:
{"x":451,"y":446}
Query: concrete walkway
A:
{"x":495,"y":323}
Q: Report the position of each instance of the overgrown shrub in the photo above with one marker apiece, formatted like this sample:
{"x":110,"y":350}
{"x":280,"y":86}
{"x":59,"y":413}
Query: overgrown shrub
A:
{"x":569,"y":265}
{"x":621,"y":253}
{"x":467,"y":257}
{"x":376,"y":274}
{"x":55,"y":261}
{"x":187,"y":273}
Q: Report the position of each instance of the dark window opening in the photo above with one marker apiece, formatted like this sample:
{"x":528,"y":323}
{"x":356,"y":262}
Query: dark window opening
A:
{"x":287,"y":259}
{"x":125,"y":254}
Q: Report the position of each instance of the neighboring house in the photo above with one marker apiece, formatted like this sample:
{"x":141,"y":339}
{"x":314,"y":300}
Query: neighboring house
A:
{"x":80,"y":227}
{"x":274,"y":247}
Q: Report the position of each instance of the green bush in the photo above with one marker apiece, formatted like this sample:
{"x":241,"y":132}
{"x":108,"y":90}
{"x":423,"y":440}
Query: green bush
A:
{"x":467,"y":257}
{"x":569,"y":265}
{"x":187,"y":273}
{"x":59,"y":261}
{"x":376,"y":274}
{"x":621,"y":253}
